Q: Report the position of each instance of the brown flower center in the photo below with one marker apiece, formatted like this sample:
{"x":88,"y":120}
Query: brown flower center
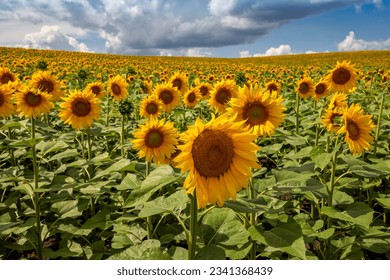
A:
{"x":255,"y":113}
{"x":212,"y":152}
{"x":154,"y":138}
{"x":341,"y":76}
{"x":272,"y":87}
{"x":33,"y":100}
{"x":191,"y":97}
{"x":6,"y":77}
{"x":353,"y":130}
{"x":2,"y":99}
{"x":116,"y":90}
{"x":46,"y":86}
{"x":303,"y":88}
{"x":151,"y":108}
{"x":203,"y":90}
{"x":177,"y":83}
{"x":223,"y":96}
{"x":320,"y":89}
{"x":166,"y":96}
{"x":95,"y":90}
{"x":81,"y":107}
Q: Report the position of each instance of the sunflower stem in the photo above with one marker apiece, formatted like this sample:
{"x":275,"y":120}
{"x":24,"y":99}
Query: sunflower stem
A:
{"x":378,"y":125}
{"x":123,"y":136}
{"x":149,"y":218}
{"x":36,"y":198}
{"x":11,"y":150}
{"x":252,"y":219}
{"x":297,"y":99}
{"x":193,"y":226}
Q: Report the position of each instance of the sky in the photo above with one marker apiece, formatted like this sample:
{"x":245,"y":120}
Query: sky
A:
{"x":211,"y":28}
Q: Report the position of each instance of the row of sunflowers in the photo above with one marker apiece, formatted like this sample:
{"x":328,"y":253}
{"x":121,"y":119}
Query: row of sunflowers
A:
{"x":262,"y":156}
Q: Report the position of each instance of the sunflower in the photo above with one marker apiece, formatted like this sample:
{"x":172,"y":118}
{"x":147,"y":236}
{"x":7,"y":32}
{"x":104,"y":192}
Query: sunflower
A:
{"x":192,"y":97}
{"x":169,"y":95}
{"x":31,"y":102}
{"x":305,"y":87}
{"x":342,"y":78}
{"x":48,"y":83}
{"x":147,"y":87}
{"x":320,"y":90}
{"x":97,"y":88}
{"x":221,"y":93}
{"x":332,"y":119}
{"x":261,"y":111}
{"x":155,"y":140}
{"x":118,"y":87}
{"x":6,"y":76}
{"x":151,"y":106}
{"x":6,"y":106}
{"x":338,"y":100}
{"x":179,"y":81}
{"x":273,"y":86}
{"x":357,"y":127}
{"x":80,"y":109}
{"x":204,"y":88}
{"x":219,"y":156}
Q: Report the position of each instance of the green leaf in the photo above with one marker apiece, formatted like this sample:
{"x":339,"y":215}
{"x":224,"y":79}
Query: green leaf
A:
{"x":320,"y":157}
{"x":100,"y":220}
{"x":243,"y":205}
{"x":130,"y":182}
{"x":157,"y":179}
{"x":147,"y":250}
{"x":221,"y":226}
{"x":174,"y":203}
{"x":385,"y":202}
{"x":65,"y":154}
{"x":285,"y":237}
{"x":26,"y":143}
{"x":51,"y":146}
{"x":118,"y":166}
{"x":67,"y":208}
{"x":210,"y":252}
{"x":357,"y":213}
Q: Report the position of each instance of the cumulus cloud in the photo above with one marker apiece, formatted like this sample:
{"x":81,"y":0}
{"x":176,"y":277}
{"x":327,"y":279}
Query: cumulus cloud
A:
{"x":51,"y":37}
{"x":281,"y":50}
{"x":351,"y":43}
{"x":152,"y":26}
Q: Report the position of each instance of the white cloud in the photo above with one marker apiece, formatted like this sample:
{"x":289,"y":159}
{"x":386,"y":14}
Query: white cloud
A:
{"x":51,"y":37}
{"x":351,"y":43}
{"x":245,"y":54}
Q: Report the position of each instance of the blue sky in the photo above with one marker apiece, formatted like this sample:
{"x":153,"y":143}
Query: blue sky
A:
{"x":215,"y":28}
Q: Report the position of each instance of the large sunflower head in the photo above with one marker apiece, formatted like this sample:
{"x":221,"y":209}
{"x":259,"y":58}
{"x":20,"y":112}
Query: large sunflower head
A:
{"x":179,"y":81}
{"x":219,"y":157}
{"x":97,"y":88}
{"x":117,"y":87}
{"x":80,"y":109}
{"x":273,"y":86}
{"x":261,"y":111}
{"x":204,"y":88}
{"x":6,"y":106}
{"x":342,"y":78}
{"x":320,"y":90}
{"x":6,"y":76}
{"x":357,"y":127}
{"x":192,"y":97}
{"x":305,"y":87}
{"x":156,"y":140}
{"x":338,"y":101}
{"x":221,"y":93}
{"x":151,"y":106}
{"x":46,"y":82}
{"x":31,"y":102}
{"x":332,"y":119}
{"x":169,"y":95}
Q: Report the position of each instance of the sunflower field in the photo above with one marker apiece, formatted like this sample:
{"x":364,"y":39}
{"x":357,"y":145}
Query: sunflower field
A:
{"x":171,"y":158}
